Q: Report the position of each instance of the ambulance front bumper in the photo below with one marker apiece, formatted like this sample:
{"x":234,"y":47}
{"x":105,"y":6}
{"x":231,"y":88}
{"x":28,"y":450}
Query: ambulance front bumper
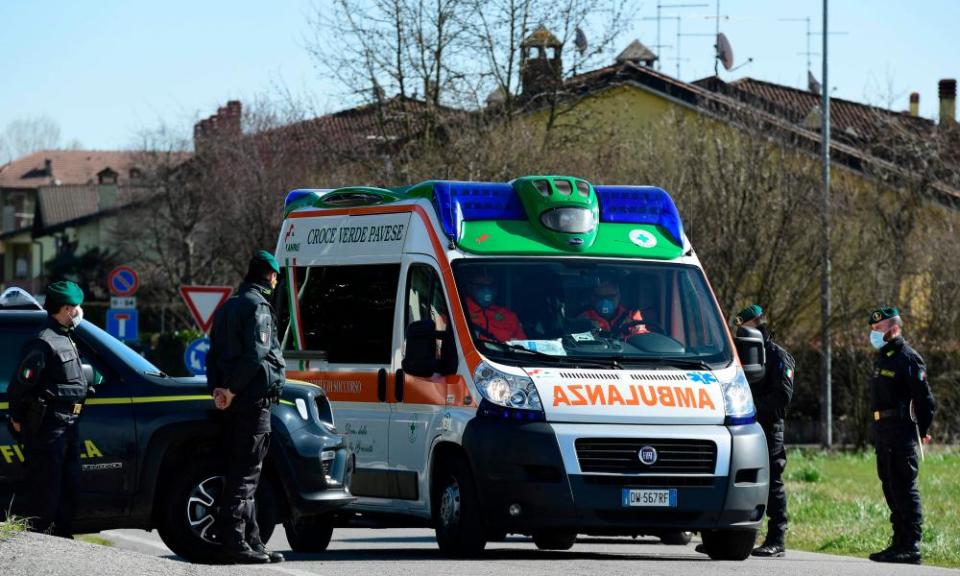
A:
{"x":529,"y":478}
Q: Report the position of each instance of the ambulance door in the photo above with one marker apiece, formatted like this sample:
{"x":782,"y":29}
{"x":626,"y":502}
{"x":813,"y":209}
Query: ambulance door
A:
{"x":341,"y":339}
{"x":420,"y":402}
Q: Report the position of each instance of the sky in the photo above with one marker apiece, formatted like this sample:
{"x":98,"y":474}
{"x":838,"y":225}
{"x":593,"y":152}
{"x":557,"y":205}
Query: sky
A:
{"x":107,"y":70}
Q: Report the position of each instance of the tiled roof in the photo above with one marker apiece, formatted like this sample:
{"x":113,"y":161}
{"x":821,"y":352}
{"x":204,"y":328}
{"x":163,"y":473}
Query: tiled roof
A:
{"x":66,"y":167}
{"x":849,"y":121}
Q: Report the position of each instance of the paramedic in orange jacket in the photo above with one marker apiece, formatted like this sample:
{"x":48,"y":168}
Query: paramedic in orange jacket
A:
{"x":495,"y":322}
{"x":608,"y":314}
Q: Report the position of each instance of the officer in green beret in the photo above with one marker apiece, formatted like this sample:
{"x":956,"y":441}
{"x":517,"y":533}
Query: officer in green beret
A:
{"x":902,"y":407}
{"x":245,"y":375}
{"x":46,"y":397}
{"x":772,"y":396}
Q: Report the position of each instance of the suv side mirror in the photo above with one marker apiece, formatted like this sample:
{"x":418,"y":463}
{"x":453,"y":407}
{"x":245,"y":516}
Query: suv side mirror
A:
{"x":420,"y":358}
{"x":753,"y":356}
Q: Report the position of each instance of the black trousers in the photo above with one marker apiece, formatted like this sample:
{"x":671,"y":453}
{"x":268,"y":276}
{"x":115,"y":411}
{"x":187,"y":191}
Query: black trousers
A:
{"x":247,"y":438}
{"x":777,"y":496}
{"x":52,"y":480}
{"x":898,"y":470}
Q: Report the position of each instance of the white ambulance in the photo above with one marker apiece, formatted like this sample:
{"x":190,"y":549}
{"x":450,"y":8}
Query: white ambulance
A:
{"x":541,"y":357}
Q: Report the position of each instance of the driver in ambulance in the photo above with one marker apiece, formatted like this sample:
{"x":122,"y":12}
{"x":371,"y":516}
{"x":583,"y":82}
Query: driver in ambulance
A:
{"x":609,"y":315}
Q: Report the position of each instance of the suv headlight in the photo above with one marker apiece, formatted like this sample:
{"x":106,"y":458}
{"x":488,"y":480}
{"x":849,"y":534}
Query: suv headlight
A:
{"x":507,"y":395}
{"x":738,"y":400}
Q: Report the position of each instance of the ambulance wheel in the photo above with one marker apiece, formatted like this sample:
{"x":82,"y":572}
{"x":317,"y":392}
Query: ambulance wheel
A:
{"x":309,"y":534}
{"x":679,"y":538}
{"x":190,"y":506}
{"x":728,"y":544}
{"x":456,"y":510}
{"x":554,"y":540}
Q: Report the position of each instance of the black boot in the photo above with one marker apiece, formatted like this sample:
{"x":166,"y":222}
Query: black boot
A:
{"x":769,"y":550}
{"x":242,"y":554}
{"x":272,"y":554}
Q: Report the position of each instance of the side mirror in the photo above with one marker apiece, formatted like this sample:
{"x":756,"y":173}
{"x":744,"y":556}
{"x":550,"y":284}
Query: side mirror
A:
{"x":753,"y":356}
{"x":88,"y":374}
{"x":420,"y":358}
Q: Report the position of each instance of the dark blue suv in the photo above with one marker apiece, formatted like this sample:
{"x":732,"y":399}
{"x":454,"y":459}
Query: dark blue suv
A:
{"x":151,"y":451}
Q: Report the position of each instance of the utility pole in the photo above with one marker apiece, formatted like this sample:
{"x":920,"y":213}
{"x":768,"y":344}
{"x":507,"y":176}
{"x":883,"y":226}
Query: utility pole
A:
{"x":826,"y":359}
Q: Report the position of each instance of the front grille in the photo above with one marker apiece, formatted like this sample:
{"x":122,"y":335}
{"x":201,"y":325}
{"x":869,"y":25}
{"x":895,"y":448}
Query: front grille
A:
{"x":651,"y":481}
{"x":621,"y":456}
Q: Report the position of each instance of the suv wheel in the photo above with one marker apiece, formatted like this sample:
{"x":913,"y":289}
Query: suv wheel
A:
{"x":309,"y":533}
{"x":554,"y":540}
{"x":190,"y":507}
{"x":728,"y":544}
{"x":679,"y":538}
{"x":456,"y":510}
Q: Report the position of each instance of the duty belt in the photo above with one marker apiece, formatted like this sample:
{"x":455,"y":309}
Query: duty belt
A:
{"x":893,"y":413}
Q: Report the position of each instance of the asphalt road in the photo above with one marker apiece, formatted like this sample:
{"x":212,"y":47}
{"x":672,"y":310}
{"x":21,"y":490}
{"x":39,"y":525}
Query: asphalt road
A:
{"x":413,"y":552}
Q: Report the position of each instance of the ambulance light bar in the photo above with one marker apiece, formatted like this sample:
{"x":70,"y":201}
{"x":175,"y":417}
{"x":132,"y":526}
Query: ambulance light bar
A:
{"x":640,"y":205}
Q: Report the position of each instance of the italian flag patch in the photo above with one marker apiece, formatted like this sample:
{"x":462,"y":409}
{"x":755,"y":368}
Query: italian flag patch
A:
{"x":790,"y":373}
{"x":27,"y":374}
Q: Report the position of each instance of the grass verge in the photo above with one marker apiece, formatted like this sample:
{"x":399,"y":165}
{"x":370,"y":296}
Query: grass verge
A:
{"x":836,"y":505}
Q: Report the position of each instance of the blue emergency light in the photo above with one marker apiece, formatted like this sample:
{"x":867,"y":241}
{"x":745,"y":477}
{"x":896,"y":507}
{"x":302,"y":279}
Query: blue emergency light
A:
{"x":458,"y":202}
{"x":640,"y":205}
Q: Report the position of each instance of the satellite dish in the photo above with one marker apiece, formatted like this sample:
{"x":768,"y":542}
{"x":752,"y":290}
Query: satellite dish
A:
{"x":580,"y":41}
{"x":724,"y":51}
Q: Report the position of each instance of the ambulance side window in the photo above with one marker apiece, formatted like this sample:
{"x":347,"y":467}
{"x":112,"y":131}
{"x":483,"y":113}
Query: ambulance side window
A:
{"x":425,"y":299}
{"x":345,"y":311}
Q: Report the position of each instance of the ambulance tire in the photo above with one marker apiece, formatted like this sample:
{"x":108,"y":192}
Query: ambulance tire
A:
{"x":189,"y":507}
{"x":554,"y":540}
{"x":728,"y":544}
{"x":456,"y":508}
{"x":309,"y":534}
{"x":678,"y":538}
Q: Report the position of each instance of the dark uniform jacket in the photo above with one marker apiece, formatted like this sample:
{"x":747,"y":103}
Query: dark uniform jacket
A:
{"x":49,"y":378}
{"x":899,"y":377}
{"x":245,"y":353}
{"x":772,"y":395}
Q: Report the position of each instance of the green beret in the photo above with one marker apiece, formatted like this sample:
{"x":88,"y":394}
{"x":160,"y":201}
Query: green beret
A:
{"x":63,"y":293}
{"x":747,"y":314}
{"x":885,"y":313}
{"x":263,"y":257}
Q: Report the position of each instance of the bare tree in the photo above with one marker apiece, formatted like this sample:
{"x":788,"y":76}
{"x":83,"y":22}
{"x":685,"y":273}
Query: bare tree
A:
{"x":28,"y":135}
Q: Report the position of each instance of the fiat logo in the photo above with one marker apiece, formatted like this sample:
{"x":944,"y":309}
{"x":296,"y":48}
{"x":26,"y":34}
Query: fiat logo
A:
{"x":648,"y":455}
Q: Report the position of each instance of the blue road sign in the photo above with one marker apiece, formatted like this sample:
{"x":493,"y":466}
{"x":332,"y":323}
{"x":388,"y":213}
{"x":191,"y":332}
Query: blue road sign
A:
{"x":195,"y":356}
{"x":123,"y":323}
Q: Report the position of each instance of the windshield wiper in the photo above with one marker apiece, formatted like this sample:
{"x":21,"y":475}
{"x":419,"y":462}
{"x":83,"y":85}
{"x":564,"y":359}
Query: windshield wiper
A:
{"x":576,"y":360}
{"x":159,"y":373}
{"x":596,"y":362}
{"x":674,"y":362}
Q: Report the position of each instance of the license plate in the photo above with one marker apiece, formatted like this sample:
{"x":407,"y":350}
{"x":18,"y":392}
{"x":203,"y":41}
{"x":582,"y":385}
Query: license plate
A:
{"x":650,"y":498}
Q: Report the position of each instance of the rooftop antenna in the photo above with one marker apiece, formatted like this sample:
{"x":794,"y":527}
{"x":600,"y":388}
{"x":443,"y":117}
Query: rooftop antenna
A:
{"x":811,"y":79}
{"x":659,"y":46}
{"x":678,"y":58}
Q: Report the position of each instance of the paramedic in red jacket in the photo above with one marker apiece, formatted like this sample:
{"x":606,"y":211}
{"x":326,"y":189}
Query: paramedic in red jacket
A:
{"x":609,"y":315}
{"x":494,"y":322}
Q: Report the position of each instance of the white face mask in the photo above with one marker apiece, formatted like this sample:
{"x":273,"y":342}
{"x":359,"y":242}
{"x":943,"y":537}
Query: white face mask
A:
{"x":876,"y":339}
{"x":77,"y":317}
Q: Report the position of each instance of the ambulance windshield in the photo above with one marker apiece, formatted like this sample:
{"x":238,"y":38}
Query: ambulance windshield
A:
{"x":585,"y":312}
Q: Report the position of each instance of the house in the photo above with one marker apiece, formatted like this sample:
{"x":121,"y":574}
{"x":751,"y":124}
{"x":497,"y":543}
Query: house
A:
{"x":54,"y":202}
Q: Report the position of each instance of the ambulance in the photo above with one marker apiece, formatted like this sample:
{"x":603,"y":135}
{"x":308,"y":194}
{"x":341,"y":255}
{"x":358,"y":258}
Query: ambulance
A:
{"x":542,"y":357}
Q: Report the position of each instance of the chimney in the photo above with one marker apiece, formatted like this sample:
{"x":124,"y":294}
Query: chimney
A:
{"x":48,"y":167}
{"x":541,"y":64}
{"x":914,"y":103}
{"x":948,"y":101}
{"x":232,"y":114}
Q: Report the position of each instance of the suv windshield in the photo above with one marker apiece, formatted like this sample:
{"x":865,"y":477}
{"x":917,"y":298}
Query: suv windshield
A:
{"x":589,"y":313}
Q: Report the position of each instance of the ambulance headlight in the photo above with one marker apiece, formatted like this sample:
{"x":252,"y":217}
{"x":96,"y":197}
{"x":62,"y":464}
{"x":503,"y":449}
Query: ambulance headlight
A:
{"x":508,"y":391}
{"x":569,"y":220}
{"x":738,"y":400}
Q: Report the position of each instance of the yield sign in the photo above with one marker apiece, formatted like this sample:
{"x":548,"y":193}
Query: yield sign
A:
{"x":203,"y":302}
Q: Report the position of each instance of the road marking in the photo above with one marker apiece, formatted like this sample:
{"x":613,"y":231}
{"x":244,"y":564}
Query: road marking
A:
{"x":136,"y":540}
